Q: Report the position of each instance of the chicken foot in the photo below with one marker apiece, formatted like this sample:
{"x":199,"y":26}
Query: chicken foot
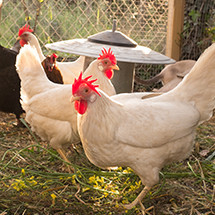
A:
{"x":63,"y":156}
{"x":138,"y":199}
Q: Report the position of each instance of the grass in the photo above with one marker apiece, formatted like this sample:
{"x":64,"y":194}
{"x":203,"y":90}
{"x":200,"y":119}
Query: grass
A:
{"x":34,"y":179}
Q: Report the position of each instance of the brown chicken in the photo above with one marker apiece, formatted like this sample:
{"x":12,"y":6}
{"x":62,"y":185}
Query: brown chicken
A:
{"x":69,"y":70}
{"x":52,"y":71}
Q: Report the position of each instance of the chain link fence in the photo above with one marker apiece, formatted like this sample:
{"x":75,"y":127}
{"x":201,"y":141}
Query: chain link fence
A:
{"x":145,"y":21}
{"x":199,"y":28}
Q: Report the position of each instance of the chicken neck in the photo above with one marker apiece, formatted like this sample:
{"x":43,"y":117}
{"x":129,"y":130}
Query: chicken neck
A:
{"x":35,"y":43}
{"x":99,"y":118}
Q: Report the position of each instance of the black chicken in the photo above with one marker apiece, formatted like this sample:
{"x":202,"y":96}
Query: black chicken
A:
{"x":10,"y":81}
{"x":9,"y":84}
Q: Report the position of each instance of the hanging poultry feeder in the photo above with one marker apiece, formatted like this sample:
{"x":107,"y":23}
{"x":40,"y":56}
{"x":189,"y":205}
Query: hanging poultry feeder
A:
{"x":126,"y":51}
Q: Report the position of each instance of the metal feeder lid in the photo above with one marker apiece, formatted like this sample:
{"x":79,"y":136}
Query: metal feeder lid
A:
{"x":113,"y":37}
{"x":126,"y":50}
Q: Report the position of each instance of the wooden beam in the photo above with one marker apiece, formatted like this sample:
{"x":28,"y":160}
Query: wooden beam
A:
{"x":1,"y":3}
{"x":174,"y":28}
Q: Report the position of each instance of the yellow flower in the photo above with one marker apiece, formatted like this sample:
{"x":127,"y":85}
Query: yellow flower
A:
{"x":92,"y":179}
{"x":53,"y":198}
{"x":73,"y":179}
{"x":84,"y":189}
{"x":117,"y":205}
{"x":132,"y":188}
{"x":115,"y":191}
{"x":18,"y":185}
{"x":119,"y":169}
{"x":23,"y":172}
{"x":106,"y":194}
{"x":101,"y":180}
{"x":125,"y":201}
{"x":5,"y":184}
{"x":96,"y":186}
{"x":128,"y":170}
{"x":32,"y":182}
{"x":138,"y":184}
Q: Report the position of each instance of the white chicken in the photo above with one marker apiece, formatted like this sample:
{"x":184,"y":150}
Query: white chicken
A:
{"x":47,"y":104}
{"x":69,"y":70}
{"x":145,"y":134}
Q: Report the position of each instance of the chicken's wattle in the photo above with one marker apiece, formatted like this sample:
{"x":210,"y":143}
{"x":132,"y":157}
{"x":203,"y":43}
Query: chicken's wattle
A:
{"x":109,"y":73}
{"x":80,"y":106}
{"x":22,"y":42}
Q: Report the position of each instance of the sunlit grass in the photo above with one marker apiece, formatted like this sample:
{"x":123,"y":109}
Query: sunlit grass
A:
{"x":34,"y":177}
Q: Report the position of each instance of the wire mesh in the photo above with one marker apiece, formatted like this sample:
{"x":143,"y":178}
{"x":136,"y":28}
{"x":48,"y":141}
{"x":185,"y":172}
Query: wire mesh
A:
{"x":144,"y":21}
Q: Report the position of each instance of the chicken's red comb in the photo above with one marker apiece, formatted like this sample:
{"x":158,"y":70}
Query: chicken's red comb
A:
{"x":54,"y":55}
{"x":80,"y":81}
{"x":107,"y":54}
{"x":25,"y":28}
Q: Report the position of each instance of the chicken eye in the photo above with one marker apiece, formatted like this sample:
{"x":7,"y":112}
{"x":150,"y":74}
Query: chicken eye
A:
{"x":86,"y":90}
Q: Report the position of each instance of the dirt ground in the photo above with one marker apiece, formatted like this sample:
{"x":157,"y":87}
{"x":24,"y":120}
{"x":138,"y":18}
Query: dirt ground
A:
{"x":34,"y":179}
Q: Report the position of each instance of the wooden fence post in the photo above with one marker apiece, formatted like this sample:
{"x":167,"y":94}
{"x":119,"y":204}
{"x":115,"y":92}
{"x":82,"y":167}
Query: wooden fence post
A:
{"x":174,"y":28}
{"x":1,"y":3}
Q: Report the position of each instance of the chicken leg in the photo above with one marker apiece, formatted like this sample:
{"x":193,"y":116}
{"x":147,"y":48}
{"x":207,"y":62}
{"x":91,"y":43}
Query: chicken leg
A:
{"x":138,"y":199}
{"x":63,"y":156}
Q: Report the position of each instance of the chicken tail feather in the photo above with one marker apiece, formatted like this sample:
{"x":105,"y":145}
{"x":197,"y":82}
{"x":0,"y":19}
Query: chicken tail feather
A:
{"x":199,"y":85}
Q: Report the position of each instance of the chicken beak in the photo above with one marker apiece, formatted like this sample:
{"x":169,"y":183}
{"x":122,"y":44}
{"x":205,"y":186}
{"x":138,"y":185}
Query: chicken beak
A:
{"x":52,"y":65}
{"x":75,"y":98}
{"x":18,"y":38}
{"x":115,"y":67}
